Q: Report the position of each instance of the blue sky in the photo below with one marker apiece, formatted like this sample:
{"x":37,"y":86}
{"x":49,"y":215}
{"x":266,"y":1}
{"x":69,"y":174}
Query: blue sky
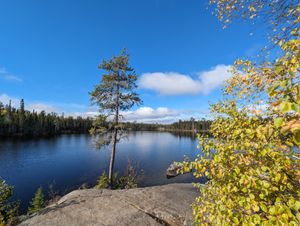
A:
{"x":50,"y":50}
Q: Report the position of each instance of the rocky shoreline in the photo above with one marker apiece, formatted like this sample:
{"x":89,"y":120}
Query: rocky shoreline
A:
{"x":158,"y":205}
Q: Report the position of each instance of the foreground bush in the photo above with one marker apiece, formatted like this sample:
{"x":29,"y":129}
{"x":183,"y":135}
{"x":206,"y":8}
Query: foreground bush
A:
{"x":127,"y":181}
{"x":8,"y":210}
{"x":252,"y":159}
{"x":37,"y":202}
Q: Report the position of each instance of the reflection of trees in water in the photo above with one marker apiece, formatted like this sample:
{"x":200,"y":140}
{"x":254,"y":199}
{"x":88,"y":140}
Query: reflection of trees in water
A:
{"x":181,"y":125}
{"x":188,"y":134}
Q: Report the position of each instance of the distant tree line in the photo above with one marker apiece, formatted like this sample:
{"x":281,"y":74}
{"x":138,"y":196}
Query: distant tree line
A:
{"x":182,"y":125}
{"x":20,"y":122}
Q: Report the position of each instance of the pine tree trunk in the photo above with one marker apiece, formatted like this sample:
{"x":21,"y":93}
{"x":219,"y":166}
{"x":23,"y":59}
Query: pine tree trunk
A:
{"x":114,"y":140}
{"x":112,"y":159}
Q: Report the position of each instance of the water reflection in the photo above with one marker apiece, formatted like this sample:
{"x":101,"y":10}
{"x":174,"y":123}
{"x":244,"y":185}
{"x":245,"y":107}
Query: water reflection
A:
{"x":71,"y":160}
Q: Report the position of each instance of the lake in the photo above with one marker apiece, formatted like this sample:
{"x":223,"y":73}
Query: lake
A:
{"x":68,"y":161}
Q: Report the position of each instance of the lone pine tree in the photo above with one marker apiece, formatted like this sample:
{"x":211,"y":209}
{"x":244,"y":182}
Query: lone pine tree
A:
{"x":115,"y":94}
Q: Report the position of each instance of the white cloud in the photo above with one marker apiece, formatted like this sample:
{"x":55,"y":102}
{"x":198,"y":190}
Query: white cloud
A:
{"x":38,"y":107}
{"x":8,"y":76}
{"x":4,"y":98}
{"x":170,"y":83}
{"x":214,"y":78}
{"x":148,"y":114}
{"x":173,"y":83}
{"x":161,"y":115}
{"x":85,"y":114}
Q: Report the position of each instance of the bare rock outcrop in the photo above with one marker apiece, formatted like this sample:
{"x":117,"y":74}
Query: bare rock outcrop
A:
{"x":159,"y":205}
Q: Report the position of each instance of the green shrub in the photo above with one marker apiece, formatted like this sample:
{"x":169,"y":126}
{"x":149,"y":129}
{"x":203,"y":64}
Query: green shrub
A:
{"x":102,"y":181}
{"x":8,"y":210}
{"x":127,"y":181}
{"x":37,"y":202}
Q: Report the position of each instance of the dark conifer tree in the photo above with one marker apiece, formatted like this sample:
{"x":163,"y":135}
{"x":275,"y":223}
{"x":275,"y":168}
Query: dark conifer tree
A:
{"x":20,"y":122}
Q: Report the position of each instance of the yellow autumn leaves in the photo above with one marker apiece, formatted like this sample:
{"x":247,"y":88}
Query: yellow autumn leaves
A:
{"x":252,"y":159}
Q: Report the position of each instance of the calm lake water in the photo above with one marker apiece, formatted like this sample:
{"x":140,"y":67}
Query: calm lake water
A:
{"x":68,"y":161}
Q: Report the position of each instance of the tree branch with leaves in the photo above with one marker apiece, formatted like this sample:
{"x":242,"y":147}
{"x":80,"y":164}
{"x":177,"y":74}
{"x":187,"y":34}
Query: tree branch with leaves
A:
{"x":252,"y":159}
